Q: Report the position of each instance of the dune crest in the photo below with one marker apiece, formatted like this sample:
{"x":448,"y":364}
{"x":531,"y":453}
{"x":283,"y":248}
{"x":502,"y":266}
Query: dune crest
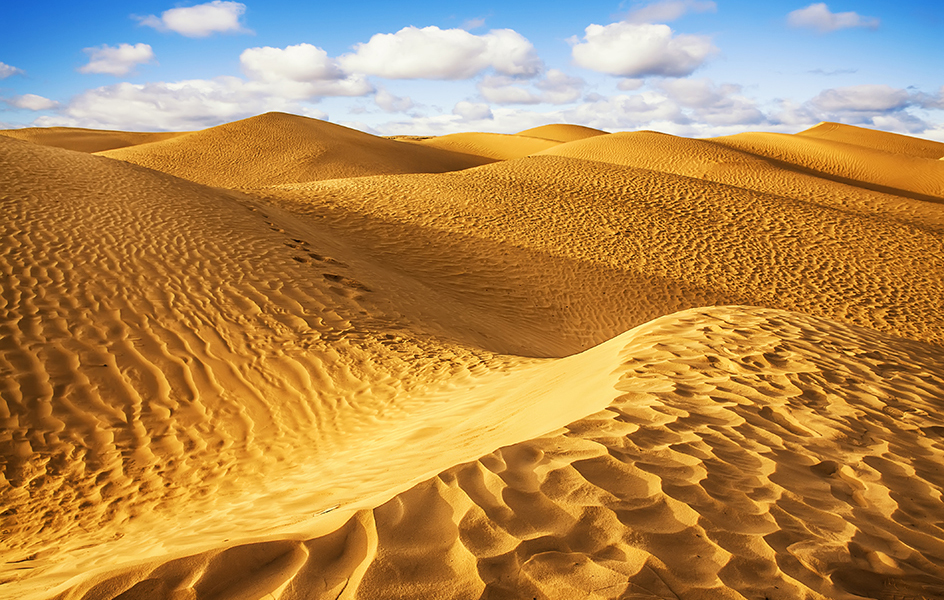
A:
{"x":561,"y":132}
{"x":279,"y":148}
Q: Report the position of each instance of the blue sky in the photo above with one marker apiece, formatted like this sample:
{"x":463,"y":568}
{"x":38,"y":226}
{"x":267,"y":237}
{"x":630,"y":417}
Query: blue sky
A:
{"x":689,"y":67}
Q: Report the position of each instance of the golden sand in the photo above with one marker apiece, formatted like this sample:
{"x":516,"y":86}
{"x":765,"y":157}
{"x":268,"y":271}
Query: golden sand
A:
{"x":558,"y":364}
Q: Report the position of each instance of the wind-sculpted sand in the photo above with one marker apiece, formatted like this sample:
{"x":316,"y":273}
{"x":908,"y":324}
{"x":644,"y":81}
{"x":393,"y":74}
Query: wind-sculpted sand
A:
{"x":562,"y":364}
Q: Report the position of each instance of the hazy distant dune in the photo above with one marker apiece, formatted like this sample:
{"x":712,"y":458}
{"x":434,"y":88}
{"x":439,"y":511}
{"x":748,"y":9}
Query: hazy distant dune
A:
{"x":85,"y":140}
{"x":562,"y":133}
{"x":878,"y":140}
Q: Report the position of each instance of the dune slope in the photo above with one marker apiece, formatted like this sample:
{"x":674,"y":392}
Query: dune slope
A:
{"x":561,"y":132}
{"x":752,"y":453}
{"x":86,"y":140}
{"x":879,"y":140}
{"x":280,"y":148}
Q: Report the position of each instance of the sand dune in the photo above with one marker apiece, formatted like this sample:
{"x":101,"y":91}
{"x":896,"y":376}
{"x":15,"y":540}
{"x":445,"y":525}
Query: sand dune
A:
{"x":910,"y":175}
{"x":751,"y":453}
{"x":85,"y":140}
{"x":280,"y":148}
{"x":878,"y":140}
{"x":562,"y":133}
{"x":628,"y":366}
{"x":495,"y":146}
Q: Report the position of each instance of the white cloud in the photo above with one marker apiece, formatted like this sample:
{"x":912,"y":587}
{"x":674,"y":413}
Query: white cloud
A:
{"x":390,"y":103}
{"x":556,"y":87}
{"x":117,"y":60}
{"x":819,"y":18}
{"x":668,"y":10}
{"x":862,"y":98}
{"x":630,"y":85}
{"x":713,"y":104}
{"x":434,"y":53}
{"x":8,"y":70}
{"x":301,"y":71}
{"x":178,"y":106}
{"x":634,"y":50}
{"x":469,"y":111}
{"x":200,"y":20}
{"x":32,"y":102}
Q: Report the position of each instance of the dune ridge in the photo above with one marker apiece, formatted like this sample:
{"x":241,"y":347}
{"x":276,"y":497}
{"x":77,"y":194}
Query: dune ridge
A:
{"x":278,"y":148}
{"x":626,"y":366}
{"x":727,"y":442}
{"x":86,"y":140}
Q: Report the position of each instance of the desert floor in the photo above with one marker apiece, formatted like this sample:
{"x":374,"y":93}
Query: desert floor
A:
{"x":280,"y":358}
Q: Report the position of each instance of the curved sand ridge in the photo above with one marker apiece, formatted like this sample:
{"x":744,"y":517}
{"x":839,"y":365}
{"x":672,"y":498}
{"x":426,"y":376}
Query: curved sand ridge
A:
{"x":705,"y":159}
{"x":208,"y":394}
{"x":560,"y":132}
{"x":879,"y":140}
{"x":86,"y":140}
{"x":164,"y":387}
{"x":752,"y":453}
{"x":278,"y":148}
{"x":910,"y":175}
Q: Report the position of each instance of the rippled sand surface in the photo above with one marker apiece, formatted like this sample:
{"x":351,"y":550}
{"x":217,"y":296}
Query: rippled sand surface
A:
{"x":284,"y":359}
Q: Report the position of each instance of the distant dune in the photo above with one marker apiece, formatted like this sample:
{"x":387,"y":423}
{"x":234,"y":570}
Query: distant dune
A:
{"x":490,"y":145}
{"x":85,"y":140}
{"x":877,"y":140}
{"x":561,"y":132}
{"x":280,"y":148}
{"x":282,"y":359}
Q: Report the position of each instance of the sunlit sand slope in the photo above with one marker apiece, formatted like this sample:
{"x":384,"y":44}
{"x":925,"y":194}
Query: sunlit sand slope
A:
{"x":562,"y":133}
{"x":281,"y":148}
{"x":752,"y":453}
{"x":182,"y":366}
{"x":859,"y":164}
{"x":495,"y":146}
{"x":674,"y":241}
{"x":85,"y":140}
{"x":879,"y":140}
{"x":704,"y":159}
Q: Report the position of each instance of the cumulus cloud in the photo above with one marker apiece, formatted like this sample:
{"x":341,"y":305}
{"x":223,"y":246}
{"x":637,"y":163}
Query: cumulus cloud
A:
{"x":178,"y":106}
{"x":668,"y":10}
{"x":556,"y":87}
{"x":862,"y":98}
{"x":117,"y":60}
{"x":639,"y":49}
{"x":819,"y":18}
{"x":8,"y":70}
{"x":301,"y":71}
{"x":434,"y":53}
{"x":32,"y":102}
{"x":469,"y":111}
{"x":201,"y":20}
{"x":388,"y":102}
{"x":713,"y":104}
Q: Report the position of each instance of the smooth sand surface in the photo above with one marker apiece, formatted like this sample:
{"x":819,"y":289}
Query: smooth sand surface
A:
{"x":85,"y":140}
{"x":560,"y":132}
{"x":620,"y":366}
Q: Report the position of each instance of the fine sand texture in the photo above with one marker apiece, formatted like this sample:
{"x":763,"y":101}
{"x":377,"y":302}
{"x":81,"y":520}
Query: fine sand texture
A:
{"x":283,"y":359}
{"x":85,"y":140}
